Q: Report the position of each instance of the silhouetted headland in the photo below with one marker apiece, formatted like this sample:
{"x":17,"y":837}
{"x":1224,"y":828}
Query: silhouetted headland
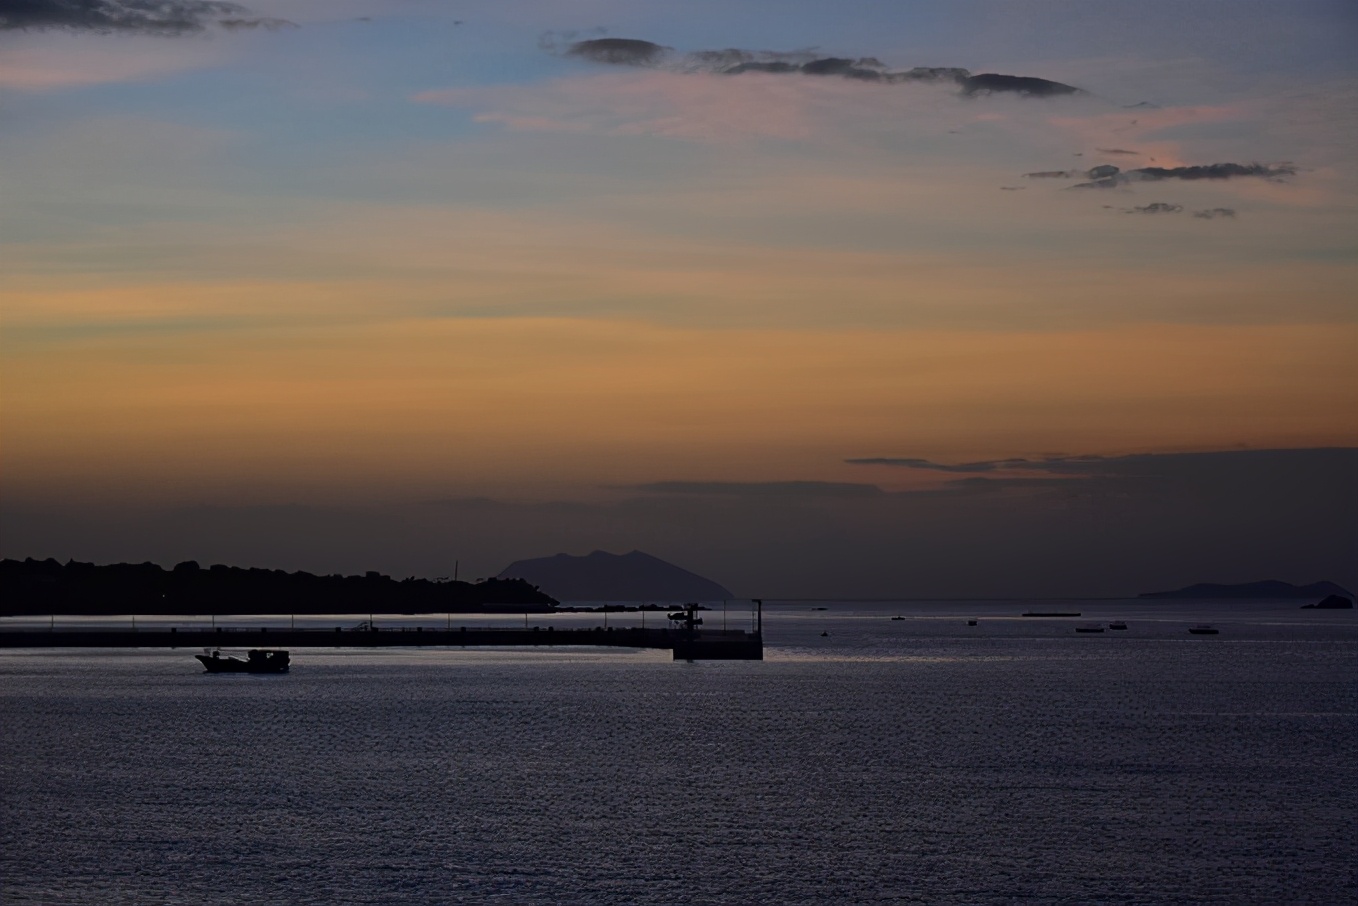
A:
{"x":1330,"y":602}
{"x":1270,"y":588}
{"x":49,"y":587}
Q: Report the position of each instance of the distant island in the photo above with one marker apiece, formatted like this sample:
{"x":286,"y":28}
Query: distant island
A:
{"x":602,"y":576}
{"x":1331,"y":602}
{"x":41,"y":587}
{"x":1270,"y":588}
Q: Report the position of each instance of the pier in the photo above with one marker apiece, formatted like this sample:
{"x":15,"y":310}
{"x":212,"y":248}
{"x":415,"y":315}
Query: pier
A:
{"x":687,"y":644}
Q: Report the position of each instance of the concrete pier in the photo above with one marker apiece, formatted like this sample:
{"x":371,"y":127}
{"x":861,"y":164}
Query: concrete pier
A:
{"x":686,"y":644}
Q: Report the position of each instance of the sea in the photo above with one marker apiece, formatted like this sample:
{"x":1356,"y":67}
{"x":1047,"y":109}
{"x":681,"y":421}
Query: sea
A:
{"x":882,"y":752}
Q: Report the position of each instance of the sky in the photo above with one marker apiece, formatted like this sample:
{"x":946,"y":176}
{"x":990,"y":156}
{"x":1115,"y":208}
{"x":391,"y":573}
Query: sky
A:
{"x":789,"y":294}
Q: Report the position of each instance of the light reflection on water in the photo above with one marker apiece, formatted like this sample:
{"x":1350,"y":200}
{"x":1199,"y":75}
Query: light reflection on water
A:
{"x":888,"y":761}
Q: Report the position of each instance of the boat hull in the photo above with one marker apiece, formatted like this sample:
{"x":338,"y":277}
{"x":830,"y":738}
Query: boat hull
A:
{"x":257,"y":661}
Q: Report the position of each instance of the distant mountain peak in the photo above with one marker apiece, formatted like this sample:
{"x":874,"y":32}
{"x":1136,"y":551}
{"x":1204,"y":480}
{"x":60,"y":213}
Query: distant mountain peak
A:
{"x":603,"y":576}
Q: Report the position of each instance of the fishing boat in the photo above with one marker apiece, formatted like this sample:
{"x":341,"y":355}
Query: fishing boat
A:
{"x":257,"y":660}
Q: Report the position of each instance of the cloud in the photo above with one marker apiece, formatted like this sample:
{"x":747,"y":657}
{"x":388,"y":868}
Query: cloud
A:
{"x":1106,"y":176}
{"x":1051,"y":464}
{"x":265,"y":23}
{"x":159,"y":17}
{"x":870,"y":69}
{"x":1024,"y":86}
{"x":1110,"y":176}
{"x":1155,"y":207}
{"x":1121,"y":471}
{"x":1161,"y":207}
{"x":1212,"y":171}
{"x":619,"y":51}
{"x":736,"y":61}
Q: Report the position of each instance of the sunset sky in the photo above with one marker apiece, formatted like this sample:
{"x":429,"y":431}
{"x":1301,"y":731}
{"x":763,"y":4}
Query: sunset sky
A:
{"x":388,"y":284}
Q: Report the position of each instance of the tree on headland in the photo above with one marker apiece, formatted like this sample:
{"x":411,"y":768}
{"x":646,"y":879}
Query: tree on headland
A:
{"x":49,"y":587}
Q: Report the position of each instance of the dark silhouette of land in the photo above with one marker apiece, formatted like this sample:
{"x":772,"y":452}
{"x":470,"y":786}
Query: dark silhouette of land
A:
{"x":602,"y":576}
{"x":1330,"y":602}
{"x":1270,"y":588}
{"x":43,"y":587}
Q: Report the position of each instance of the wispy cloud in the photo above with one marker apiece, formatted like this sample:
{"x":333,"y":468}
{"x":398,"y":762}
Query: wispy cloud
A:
{"x":1204,"y":466}
{"x":263,"y":23}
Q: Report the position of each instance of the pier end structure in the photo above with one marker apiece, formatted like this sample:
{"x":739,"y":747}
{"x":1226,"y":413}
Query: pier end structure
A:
{"x":693,"y":644}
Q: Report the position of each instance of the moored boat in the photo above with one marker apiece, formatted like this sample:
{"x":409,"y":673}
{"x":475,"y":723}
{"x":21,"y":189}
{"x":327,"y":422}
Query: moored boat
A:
{"x":257,"y":660}
{"x":1203,"y":629}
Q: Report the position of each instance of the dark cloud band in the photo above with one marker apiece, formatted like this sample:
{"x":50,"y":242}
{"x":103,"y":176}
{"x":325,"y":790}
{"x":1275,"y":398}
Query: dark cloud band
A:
{"x":1107,"y":176}
{"x":619,"y":51}
{"x":1148,"y":465}
{"x":1024,"y":86}
{"x":734,"y":61}
{"x":159,"y":17}
{"x":1156,"y":207}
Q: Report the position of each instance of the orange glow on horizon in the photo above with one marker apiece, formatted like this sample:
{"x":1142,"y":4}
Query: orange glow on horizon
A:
{"x":538,"y":407}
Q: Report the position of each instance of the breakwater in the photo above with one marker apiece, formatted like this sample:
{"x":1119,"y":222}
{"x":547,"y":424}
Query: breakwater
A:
{"x":686,"y":644}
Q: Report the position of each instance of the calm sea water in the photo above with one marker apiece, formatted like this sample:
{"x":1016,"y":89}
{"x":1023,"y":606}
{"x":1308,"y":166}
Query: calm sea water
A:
{"x":888,"y":761}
